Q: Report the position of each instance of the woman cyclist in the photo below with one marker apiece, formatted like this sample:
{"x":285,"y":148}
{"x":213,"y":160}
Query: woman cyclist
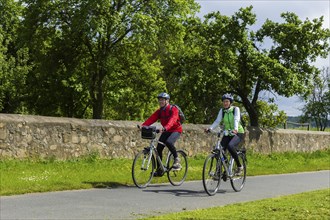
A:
{"x":234,"y":131}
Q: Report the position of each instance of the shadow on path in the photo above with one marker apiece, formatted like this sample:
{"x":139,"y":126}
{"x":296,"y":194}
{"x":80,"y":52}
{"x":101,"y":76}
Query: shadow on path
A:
{"x":180,"y":192}
{"x":105,"y":184}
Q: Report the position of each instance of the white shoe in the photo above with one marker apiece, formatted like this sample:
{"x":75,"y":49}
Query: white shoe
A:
{"x":176,"y":164}
{"x":239,"y":171}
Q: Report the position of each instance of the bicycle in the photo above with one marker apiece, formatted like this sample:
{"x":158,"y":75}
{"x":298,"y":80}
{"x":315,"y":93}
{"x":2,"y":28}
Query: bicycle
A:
{"x":217,"y":167}
{"x":144,"y":162}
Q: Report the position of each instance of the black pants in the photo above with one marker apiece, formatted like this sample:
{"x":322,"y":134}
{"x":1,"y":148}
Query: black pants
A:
{"x":169,"y":139}
{"x":230,"y":143}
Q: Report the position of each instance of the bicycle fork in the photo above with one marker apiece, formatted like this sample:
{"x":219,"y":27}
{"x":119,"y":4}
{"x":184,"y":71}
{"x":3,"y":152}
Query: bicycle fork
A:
{"x":146,"y":160}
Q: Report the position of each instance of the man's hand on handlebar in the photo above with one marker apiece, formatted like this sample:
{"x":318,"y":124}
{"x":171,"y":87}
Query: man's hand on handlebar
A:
{"x":157,"y":130}
{"x":207,"y":130}
{"x":161,"y":130}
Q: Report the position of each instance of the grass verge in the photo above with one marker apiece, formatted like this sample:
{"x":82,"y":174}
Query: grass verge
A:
{"x":310,"y":205}
{"x":27,"y":176}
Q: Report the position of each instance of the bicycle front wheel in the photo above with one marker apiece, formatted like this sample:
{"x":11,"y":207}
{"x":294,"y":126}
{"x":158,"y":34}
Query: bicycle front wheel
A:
{"x":143,"y":169}
{"x":238,"y":181}
{"x":211,"y":174}
{"x":177,"y":177}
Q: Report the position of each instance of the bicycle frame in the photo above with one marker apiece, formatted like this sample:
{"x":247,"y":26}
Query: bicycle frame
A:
{"x":227,"y":164}
{"x":144,"y":164}
{"x":153,"y":151}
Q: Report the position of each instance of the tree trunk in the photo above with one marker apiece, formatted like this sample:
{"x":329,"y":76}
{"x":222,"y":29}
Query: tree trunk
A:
{"x":97,"y":94}
{"x":253,"y":115}
{"x":98,"y":105}
{"x":252,"y":111}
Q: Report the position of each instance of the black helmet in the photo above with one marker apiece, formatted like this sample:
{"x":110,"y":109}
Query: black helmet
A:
{"x":228,"y":96}
{"x":164,"y":95}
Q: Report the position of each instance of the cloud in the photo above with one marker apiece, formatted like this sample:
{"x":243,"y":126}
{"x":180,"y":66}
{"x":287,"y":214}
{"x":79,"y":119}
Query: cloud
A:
{"x":270,"y":9}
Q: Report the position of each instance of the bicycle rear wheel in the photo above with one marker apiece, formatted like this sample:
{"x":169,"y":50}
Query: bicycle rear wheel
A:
{"x":212,"y":171}
{"x":177,"y":177}
{"x":143,"y":169}
{"x":238,"y":181}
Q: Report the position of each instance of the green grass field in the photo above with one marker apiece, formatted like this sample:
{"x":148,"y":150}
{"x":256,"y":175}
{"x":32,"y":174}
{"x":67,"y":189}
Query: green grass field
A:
{"x":310,"y":205}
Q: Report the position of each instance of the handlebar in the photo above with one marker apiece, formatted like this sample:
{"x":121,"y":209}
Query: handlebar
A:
{"x":157,"y":130}
{"x":225,"y":132}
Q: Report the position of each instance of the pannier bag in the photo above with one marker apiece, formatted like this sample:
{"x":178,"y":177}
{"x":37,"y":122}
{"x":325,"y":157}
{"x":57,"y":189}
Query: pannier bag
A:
{"x":148,"y":132}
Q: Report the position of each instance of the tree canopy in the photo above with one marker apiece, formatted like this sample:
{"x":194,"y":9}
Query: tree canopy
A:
{"x":317,"y":108}
{"x":110,"y":58}
{"x":232,"y":58}
{"x":14,"y":65}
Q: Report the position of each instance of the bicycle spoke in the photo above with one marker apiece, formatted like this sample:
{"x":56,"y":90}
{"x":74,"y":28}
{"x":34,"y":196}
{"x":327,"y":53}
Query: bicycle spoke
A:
{"x":142,"y":169}
{"x":238,"y":181}
{"x":211,"y":175}
{"x":177,"y":177}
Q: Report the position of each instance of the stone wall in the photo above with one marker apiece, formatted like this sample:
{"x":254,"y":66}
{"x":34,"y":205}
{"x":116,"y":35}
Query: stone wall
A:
{"x":23,"y":136}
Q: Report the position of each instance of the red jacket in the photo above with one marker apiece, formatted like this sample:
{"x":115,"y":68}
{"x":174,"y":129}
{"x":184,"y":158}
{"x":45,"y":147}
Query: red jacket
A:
{"x":168,"y":118}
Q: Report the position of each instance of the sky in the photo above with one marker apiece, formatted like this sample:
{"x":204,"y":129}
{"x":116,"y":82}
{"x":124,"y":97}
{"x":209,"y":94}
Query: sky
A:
{"x":272,"y":9}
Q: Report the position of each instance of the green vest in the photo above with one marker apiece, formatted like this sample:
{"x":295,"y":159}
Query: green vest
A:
{"x":228,"y":120}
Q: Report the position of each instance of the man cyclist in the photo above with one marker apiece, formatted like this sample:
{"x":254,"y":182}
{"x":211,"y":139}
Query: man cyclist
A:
{"x":171,"y":131}
{"x":234,"y":131}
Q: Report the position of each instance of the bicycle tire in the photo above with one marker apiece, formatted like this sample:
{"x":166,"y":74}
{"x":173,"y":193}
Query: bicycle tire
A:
{"x":238,"y":181}
{"x":143,"y":169}
{"x":212,"y":171}
{"x":177,"y":177}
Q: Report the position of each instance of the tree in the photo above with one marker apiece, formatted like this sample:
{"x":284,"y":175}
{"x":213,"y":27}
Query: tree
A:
{"x":232,"y":58}
{"x":13,"y":58}
{"x":317,"y":108}
{"x":91,"y":53}
{"x":267,"y":116}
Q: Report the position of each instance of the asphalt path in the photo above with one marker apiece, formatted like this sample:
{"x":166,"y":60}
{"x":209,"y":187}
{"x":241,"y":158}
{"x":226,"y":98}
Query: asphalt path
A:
{"x":134,"y":203}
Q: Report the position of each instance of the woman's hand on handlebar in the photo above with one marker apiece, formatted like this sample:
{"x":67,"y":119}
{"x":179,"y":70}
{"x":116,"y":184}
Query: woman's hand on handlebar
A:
{"x":230,"y":132}
{"x":207,"y":130}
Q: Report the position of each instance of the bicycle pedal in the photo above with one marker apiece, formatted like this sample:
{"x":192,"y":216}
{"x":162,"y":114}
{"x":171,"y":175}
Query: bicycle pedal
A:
{"x":158,"y":174}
